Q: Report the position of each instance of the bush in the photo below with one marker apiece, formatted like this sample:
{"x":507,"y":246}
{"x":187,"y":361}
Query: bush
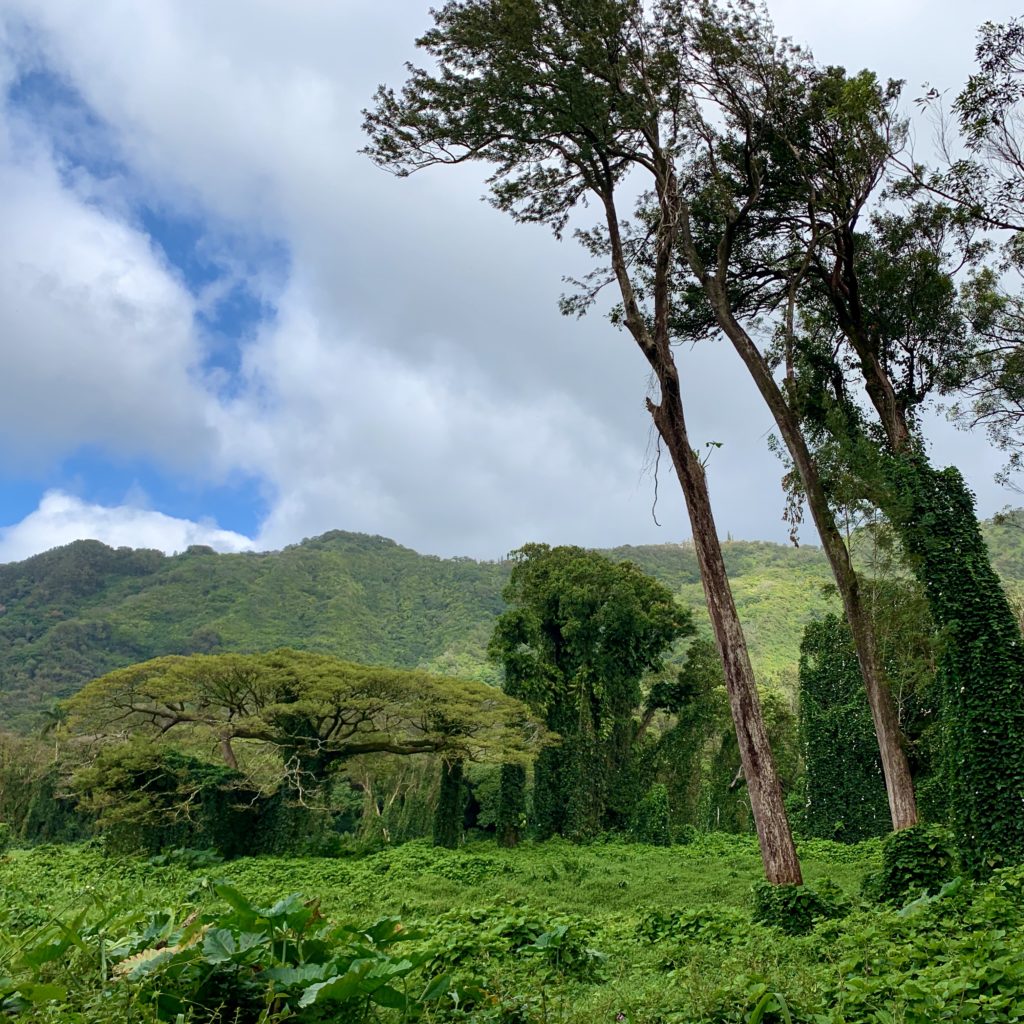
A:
{"x":651,"y":818}
{"x":6,"y":837}
{"x":795,"y":908}
{"x":914,"y":861}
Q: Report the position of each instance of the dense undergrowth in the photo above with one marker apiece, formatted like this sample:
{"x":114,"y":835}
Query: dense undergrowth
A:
{"x":544,"y":933}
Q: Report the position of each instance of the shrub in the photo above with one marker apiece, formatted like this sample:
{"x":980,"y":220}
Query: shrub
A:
{"x":651,"y":818}
{"x":795,"y":908}
{"x":914,"y":861}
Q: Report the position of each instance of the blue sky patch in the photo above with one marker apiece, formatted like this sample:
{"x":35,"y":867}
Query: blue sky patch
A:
{"x":232,"y":275}
{"x":240,"y":504}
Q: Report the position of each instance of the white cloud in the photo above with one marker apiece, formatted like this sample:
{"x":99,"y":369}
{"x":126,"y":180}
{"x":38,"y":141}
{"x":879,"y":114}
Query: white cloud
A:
{"x":99,"y":342}
{"x":417,"y":380}
{"x":62,"y":518}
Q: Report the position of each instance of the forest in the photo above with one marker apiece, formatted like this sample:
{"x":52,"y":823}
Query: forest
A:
{"x":712,"y":782}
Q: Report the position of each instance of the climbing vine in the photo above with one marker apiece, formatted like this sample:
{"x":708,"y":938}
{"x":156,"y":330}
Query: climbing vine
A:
{"x":845,"y":797}
{"x":981,"y":665}
{"x":451,"y":805}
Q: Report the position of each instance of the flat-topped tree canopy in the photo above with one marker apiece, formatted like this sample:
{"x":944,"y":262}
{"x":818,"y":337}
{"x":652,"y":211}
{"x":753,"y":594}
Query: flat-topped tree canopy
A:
{"x":309,"y":705}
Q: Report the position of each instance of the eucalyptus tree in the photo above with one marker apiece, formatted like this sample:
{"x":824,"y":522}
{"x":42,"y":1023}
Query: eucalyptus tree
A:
{"x":980,"y":174}
{"x":565,"y":99}
{"x":744,"y":259}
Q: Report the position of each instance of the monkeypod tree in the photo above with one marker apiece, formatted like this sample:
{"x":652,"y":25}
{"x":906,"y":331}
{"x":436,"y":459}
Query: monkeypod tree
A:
{"x":313,"y":712}
{"x":566,"y":100}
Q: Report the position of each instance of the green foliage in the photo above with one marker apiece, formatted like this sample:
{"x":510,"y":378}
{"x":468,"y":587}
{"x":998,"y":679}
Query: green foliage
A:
{"x":981,"y":668}
{"x":845,"y":789}
{"x":82,"y":610}
{"x":303,"y":714}
{"x":651,"y":819}
{"x":72,"y":917}
{"x":6,"y":837}
{"x":85,"y":609}
{"x":146,"y":798}
{"x":915,"y":861}
{"x":795,"y":909}
{"x":580,"y":635}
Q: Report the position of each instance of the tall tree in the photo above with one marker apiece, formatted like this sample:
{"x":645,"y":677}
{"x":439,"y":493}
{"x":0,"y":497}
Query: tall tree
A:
{"x":565,"y":98}
{"x":882,"y":320}
{"x":981,"y":175}
{"x":580,"y":635}
{"x":742,"y":262}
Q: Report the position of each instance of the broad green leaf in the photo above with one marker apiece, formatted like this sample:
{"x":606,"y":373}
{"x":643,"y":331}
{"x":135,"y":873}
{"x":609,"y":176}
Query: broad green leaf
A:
{"x":42,"y":993}
{"x":339,"y":988}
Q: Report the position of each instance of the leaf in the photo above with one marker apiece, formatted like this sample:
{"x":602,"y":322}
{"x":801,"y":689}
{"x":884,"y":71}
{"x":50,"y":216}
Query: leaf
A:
{"x":43,"y":993}
{"x":389,"y":997}
{"x":219,"y":946}
{"x":230,"y":895}
{"x":286,"y":977}
{"x":134,"y":967}
{"x":436,"y":989}
{"x":339,"y":988}
{"x":285,"y":909}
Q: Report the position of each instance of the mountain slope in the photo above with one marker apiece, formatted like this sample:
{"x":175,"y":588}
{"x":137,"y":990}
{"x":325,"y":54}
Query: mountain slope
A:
{"x":78,"y":611}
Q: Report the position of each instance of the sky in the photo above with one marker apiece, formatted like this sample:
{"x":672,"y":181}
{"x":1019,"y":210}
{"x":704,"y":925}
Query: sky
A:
{"x":220,"y":324}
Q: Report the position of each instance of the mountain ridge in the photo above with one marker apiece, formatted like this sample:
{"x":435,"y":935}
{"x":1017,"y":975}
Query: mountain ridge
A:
{"x":82,"y":609}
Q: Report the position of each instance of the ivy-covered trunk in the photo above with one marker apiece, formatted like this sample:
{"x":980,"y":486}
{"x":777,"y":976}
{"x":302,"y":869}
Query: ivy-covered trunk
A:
{"x":511,"y":816}
{"x":981,"y":666}
{"x":451,"y":805}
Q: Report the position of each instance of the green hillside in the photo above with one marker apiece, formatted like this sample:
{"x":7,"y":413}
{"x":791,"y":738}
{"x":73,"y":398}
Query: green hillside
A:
{"x":80,"y":610}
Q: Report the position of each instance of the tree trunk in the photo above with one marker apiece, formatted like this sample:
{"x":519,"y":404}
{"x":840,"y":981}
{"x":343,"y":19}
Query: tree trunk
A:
{"x":778,"y":851}
{"x":899,"y":784}
{"x":227,"y":751}
{"x":451,"y":805}
{"x":511,"y":816}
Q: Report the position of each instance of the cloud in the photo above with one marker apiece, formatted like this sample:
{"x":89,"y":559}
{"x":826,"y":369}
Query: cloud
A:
{"x":62,"y":518}
{"x":100,"y":344}
{"x":415,"y":378}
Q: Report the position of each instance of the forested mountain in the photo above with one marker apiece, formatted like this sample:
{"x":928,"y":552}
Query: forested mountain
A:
{"x":78,"y":611}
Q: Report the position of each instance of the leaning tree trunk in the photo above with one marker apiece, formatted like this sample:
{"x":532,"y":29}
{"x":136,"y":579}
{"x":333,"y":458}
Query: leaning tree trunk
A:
{"x":899,"y":783}
{"x":778,"y":851}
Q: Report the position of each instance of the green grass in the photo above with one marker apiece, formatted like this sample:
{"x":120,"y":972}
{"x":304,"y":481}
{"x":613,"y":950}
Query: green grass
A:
{"x":648,"y":935}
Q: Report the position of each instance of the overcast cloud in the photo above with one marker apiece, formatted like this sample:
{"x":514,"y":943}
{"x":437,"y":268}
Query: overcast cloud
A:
{"x":401,"y":367}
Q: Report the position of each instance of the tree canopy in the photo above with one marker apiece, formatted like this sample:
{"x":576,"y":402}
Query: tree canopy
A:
{"x":314,"y":707}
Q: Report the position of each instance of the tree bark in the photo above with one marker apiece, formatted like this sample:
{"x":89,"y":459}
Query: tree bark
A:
{"x":227,"y":751}
{"x":778,"y":851}
{"x":899,"y":784}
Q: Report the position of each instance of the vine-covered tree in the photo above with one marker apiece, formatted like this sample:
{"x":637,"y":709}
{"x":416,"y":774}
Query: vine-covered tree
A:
{"x":882,"y":307}
{"x":580,"y":635}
